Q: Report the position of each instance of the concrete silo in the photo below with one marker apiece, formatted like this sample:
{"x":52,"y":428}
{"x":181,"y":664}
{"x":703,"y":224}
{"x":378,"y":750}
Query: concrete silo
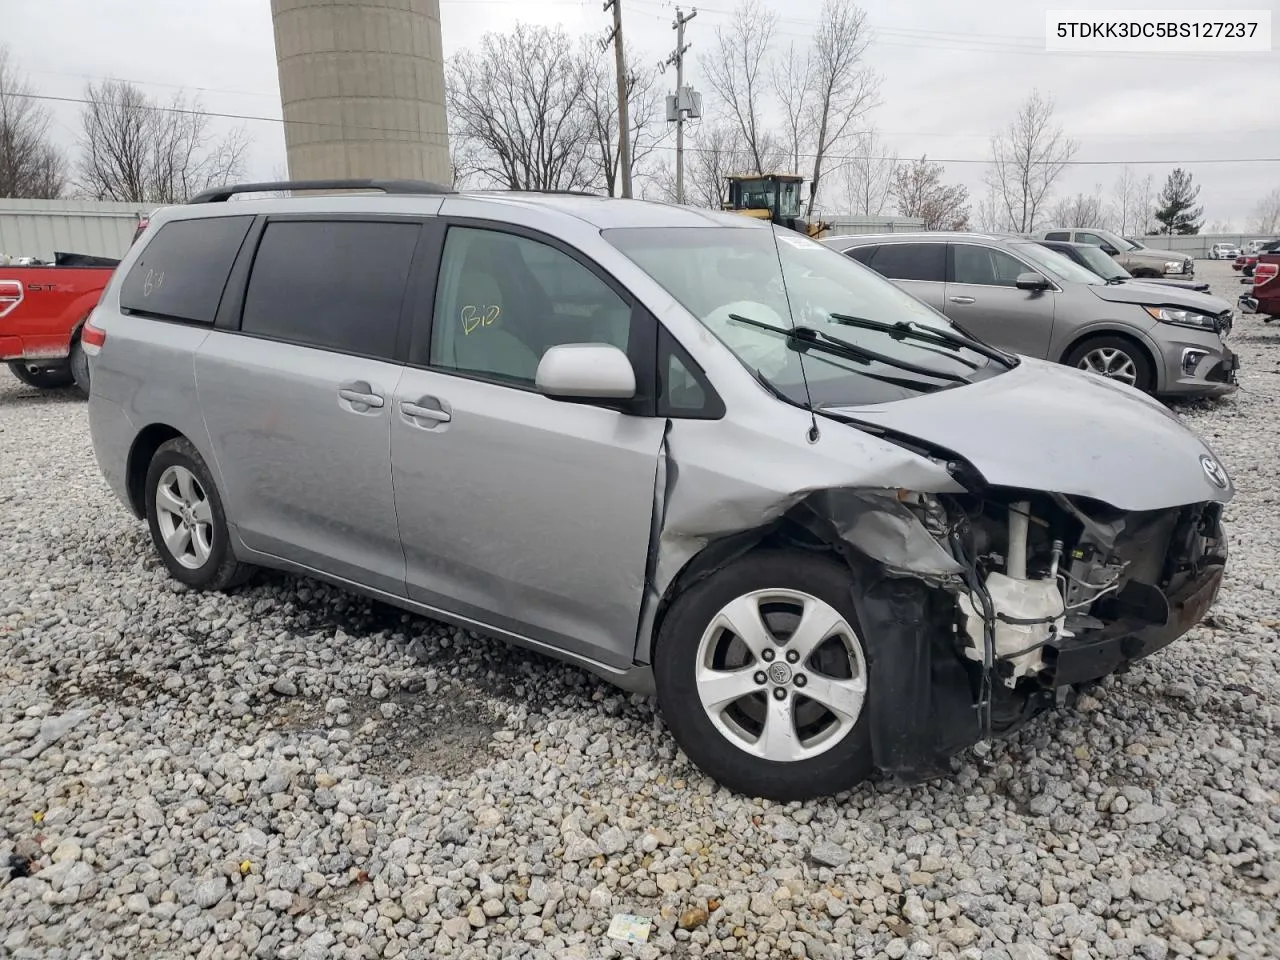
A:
{"x":362,"y":85}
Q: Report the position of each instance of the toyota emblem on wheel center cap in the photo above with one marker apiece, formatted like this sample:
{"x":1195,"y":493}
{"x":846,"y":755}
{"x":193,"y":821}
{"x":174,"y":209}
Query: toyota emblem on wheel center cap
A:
{"x":779,"y":672}
{"x":1213,"y":470}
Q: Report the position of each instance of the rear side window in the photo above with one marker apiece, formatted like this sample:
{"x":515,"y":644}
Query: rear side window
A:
{"x":911,"y":261}
{"x":337,"y":284}
{"x":862,"y":254}
{"x":1058,"y":235}
{"x":180,"y":274}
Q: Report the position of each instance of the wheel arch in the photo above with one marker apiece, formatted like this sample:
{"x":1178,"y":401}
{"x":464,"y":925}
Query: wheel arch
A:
{"x":786,"y":531}
{"x":1149,"y":351}
{"x":922,"y":712}
{"x":144,"y":448}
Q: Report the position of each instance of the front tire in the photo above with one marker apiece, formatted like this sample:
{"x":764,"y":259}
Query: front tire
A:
{"x":188,"y":525}
{"x":763,"y":678}
{"x":42,"y":378}
{"x":1115,"y":358}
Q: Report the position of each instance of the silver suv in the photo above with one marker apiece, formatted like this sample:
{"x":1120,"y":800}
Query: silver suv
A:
{"x":1021,"y":296}
{"x":687,"y":450}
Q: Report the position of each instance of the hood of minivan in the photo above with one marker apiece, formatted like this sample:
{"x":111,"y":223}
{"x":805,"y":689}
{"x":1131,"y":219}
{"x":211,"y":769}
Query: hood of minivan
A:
{"x":1159,"y":294}
{"x":1043,"y":426}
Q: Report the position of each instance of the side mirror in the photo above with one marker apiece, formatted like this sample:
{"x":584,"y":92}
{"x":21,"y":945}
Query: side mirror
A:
{"x":1109,"y":250}
{"x":1031,"y":281}
{"x":586,"y":371}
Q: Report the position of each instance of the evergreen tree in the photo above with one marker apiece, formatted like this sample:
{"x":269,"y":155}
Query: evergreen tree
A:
{"x":1176,"y":208}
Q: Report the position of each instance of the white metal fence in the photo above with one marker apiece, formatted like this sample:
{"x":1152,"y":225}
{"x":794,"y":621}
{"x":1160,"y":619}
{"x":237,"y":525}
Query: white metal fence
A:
{"x":39,"y":228}
{"x":844,"y":226}
{"x":1198,"y":245}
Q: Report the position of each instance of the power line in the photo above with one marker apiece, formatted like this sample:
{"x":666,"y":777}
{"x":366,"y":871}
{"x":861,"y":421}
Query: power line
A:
{"x":1203,"y":161}
{"x":187,"y":111}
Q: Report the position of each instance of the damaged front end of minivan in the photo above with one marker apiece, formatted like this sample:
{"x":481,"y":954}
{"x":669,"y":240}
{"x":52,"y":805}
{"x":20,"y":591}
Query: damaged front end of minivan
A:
{"x":979,"y":605}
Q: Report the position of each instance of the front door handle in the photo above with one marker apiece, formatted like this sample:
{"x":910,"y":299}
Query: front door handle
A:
{"x":360,"y":392}
{"x":420,"y":412}
{"x":961,"y":299}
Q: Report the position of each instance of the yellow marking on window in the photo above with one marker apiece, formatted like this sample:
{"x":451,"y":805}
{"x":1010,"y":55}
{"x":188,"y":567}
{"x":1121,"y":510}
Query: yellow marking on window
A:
{"x":475,"y":317}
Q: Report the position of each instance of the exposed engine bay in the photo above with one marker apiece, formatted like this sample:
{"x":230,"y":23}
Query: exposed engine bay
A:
{"x":1058,"y":591}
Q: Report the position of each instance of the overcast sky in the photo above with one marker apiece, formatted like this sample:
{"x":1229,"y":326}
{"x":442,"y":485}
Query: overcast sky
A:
{"x":953,"y":72}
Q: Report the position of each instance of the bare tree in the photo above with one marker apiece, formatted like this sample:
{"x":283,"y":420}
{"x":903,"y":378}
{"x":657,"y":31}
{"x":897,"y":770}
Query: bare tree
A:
{"x":137,"y":150}
{"x":518,"y":103}
{"x":735,"y":71}
{"x":844,"y":88}
{"x":792,"y":77}
{"x":715,"y":152}
{"x":1144,"y":206}
{"x":1266,"y":214}
{"x":792,"y":82}
{"x":991,"y":214}
{"x":1027,"y":157}
{"x":1123,"y":198}
{"x":920,"y":192}
{"x":645,"y":119}
{"x":867,"y":179}
{"x":30,"y":165}
{"x":1081,"y":210}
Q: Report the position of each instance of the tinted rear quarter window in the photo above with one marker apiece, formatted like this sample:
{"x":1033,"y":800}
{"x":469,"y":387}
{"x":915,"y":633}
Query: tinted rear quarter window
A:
{"x":1058,"y":235}
{"x":181,"y":273}
{"x":862,"y":254}
{"x":337,"y":284}
{"x":911,"y":261}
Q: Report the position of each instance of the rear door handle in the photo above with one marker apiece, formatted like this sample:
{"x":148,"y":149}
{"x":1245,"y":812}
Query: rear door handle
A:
{"x":436,"y":414}
{"x":961,"y":299}
{"x":360,"y":392}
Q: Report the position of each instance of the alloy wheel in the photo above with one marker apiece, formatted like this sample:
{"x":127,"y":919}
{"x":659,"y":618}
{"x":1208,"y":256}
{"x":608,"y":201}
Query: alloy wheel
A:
{"x":1112,"y":363}
{"x":185,"y":517}
{"x":781,"y":675}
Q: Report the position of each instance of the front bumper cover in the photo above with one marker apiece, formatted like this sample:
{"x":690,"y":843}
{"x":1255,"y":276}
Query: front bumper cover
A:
{"x":1089,"y":657}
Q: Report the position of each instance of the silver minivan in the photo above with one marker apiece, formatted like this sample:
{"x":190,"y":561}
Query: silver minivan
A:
{"x":1019,"y":295}
{"x":689,"y":451}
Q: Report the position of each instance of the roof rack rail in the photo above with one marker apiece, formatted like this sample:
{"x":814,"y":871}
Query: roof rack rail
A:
{"x":224,"y":193}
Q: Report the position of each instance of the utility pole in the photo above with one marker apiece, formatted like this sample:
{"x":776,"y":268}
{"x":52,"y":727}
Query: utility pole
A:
{"x":624,"y":124}
{"x":677,"y":58}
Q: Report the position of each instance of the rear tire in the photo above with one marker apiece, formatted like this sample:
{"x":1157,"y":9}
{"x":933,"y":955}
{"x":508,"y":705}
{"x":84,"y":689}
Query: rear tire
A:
{"x":42,"y":378}
{"x":188,"y":524}
{"x":78,"y":361}
{"x":1116,"y":358}
{"x":777,"y":739}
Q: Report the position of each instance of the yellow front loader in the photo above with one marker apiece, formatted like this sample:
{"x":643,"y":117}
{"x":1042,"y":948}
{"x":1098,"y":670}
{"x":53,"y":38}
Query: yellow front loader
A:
{"x":772,"y":196}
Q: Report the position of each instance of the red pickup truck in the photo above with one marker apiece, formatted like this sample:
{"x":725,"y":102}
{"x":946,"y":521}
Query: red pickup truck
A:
{"x":42,"y":308}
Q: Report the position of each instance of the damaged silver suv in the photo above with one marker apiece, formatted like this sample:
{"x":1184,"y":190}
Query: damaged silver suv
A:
{"x":688,"y":451}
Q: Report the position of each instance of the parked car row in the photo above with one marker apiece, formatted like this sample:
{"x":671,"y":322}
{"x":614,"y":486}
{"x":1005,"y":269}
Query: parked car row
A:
{"x":1023,"y":296}
{"x":1248,"y":259}
{"x":833,"y":525}
{"x":1140,"y":260}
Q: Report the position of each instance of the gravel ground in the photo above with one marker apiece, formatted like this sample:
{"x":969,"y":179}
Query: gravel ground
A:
{"x":291,"y":772}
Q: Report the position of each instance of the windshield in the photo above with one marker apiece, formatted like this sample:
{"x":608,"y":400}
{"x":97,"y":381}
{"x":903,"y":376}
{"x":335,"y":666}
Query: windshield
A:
{"x":1101,"y":264}
{"x":1128,"y":243}
{"x":1058,"y":266}
{"x":717,"y":273}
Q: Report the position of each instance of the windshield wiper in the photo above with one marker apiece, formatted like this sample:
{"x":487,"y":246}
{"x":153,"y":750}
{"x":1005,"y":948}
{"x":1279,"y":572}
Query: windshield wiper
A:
{"x":908,"y":328}
{"x":806,"y":337}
